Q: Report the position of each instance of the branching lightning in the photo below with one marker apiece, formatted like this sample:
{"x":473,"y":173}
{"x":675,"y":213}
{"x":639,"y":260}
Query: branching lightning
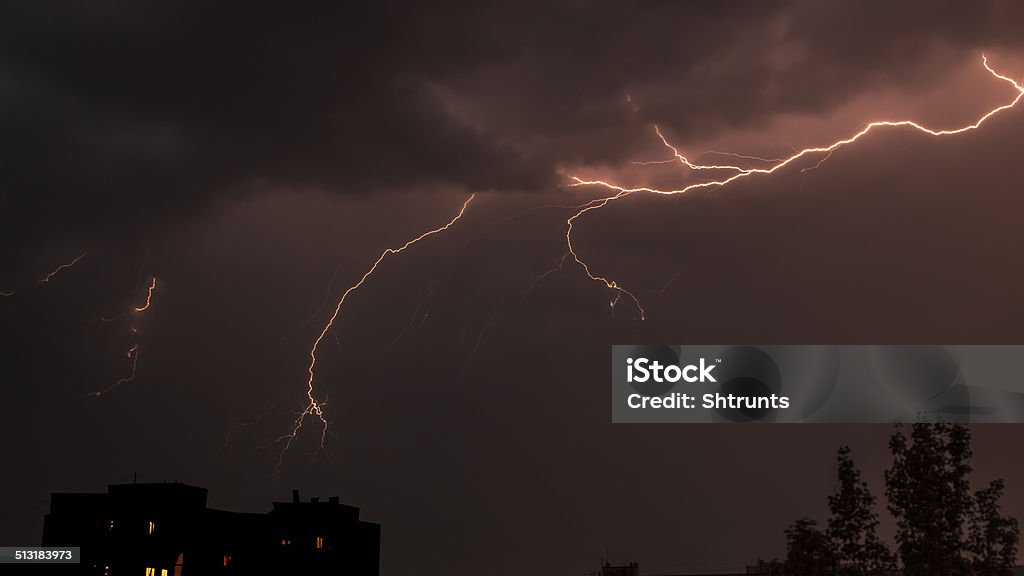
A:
{"x":133,"y":352}
{"x":314,"y":407}
{"x":739,"y":172}
{"x":583,"y":209}
{"x":720,"y":175}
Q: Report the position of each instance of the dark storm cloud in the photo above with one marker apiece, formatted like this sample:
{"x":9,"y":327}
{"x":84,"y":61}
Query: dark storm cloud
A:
{"x":115,"y":116}
{"x":703,"y":68}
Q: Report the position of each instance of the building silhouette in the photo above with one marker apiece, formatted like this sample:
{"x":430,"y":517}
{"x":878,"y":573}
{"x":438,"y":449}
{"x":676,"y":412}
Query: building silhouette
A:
{"x":167,"y":530}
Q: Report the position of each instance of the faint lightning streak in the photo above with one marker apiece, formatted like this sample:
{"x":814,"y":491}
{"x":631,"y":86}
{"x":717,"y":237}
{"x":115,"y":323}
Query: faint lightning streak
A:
{"x":818,"y":165}
{"x":537,"y":280}
{"x":319,"y":309}
{"x":313,"y":406}
{"x":243,"y":425}
{"x":520,"y":215}
{"x":629,"y":100}
{"x":667,"y":284}
{"x":621,"y":191}
{"x":744,"y":156}
{"x":58,"y":269}
{"x":409,"y":325}
{"x":133,"y":359}
{"x":652,"y":162}
{"x":479,"y":339}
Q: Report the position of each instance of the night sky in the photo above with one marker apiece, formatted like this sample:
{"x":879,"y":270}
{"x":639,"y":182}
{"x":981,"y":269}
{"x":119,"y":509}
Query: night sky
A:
{"x":256,"y":161}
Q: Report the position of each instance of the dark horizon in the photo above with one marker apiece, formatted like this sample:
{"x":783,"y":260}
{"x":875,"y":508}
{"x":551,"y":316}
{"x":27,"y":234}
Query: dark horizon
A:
{"x":253,"y":163}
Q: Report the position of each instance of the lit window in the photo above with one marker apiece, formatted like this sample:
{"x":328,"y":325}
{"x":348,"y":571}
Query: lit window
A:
{"x":227,"y":560}
{"x":319,"y":543}
{"x":178,"y":564}
{"x":111,"y":525}
{"x":151,"y":527}
{"x":150,"y":571}
{"x":163,"y":572}
{"x":106,"y":571}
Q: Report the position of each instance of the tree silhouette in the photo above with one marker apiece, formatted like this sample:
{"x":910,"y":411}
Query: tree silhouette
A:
{"x":942,"y":528}
{"x":993,"y":537}
{"x":852,"y":527}
{"x":929,"y":496}
{"x":808,"y":552}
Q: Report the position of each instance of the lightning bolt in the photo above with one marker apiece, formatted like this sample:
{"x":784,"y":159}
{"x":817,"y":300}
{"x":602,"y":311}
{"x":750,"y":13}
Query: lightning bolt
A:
{"x":133,"y":352}
{"x":739,"y":172}
{"x":315,"y":408}
{"x":570,"y":223}
{"x":49,"y":276}
{"x":149,"y":297}
{"x":62,"y":267}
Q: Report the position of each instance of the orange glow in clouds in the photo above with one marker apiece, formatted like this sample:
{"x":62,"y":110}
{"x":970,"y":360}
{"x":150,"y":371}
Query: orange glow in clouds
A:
{"x":741,"y":172}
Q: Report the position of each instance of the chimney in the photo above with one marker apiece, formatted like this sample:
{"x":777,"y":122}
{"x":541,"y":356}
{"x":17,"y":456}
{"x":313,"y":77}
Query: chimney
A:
{"x":295,"y":496}
{"x":334,"y":500}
